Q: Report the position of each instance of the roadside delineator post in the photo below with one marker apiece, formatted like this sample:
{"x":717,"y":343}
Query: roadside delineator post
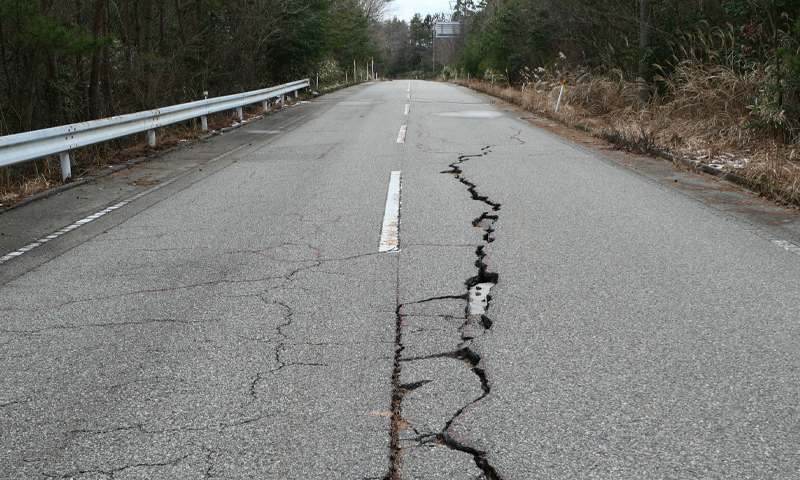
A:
{"x":558,"y":103}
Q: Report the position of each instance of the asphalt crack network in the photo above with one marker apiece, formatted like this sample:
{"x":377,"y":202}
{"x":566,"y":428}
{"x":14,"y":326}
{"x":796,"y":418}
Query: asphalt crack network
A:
{"x":475,"y":323}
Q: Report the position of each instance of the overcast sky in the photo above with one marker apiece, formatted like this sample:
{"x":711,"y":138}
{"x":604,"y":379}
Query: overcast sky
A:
{"x":405,"y":9}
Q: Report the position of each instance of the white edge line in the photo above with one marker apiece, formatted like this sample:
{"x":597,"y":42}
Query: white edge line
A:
{"x":391,"y":217}
{"x":101,"y":213}
{"x":787,"y":246}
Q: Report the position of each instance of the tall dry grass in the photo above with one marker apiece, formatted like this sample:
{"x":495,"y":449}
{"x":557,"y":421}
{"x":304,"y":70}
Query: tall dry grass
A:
{"x":702,"y":111}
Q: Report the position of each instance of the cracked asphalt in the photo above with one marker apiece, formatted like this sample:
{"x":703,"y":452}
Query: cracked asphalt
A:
{"x":555,"y":310}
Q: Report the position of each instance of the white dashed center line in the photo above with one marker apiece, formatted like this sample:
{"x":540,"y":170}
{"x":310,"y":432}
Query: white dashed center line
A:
{"x":787,"y":245}
{"x":401,"y":137}
{"x":391,"y":217}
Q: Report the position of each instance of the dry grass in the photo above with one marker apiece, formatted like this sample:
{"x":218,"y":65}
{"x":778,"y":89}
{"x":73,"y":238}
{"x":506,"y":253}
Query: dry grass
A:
{"x":702,"y":114}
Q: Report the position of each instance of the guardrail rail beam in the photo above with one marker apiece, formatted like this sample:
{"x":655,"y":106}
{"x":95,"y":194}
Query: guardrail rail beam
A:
{"x":27,"y":146}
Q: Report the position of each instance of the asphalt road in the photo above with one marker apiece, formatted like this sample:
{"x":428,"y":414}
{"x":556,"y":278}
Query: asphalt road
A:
{"x":551,"y":312}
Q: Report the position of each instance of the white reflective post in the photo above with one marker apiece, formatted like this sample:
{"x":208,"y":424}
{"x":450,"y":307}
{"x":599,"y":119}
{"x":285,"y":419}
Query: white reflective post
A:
{"x":66,"y":169}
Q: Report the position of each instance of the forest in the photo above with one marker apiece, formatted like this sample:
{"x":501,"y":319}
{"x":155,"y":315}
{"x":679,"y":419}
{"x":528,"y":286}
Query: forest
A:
{"x":701,"y":78}
{"x":69,"y":61}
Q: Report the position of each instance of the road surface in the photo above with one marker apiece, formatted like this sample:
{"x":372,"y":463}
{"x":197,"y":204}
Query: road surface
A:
{"x":264,"y":305}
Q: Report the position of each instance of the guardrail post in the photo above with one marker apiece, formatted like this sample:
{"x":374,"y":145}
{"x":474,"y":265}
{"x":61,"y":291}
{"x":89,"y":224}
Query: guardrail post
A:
{"x":239,"y":113}
{"x":66,"y":169}
{"x":265,"y":105}
{"x":151,"y":138}
{"x":283,"y":99}
{"x":204,"y":123}
{"x":295,"y":94}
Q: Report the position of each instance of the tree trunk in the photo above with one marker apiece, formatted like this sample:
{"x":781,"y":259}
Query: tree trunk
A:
{"x":161,"y":28}
{"x":80,"y":67}
{"x":108,"y":98}
{"x":94,"y":79}
{"x":27,"y":119}
{"x":148,"y":48}
{"x":181,"y":31}
{"x":148,"y":27}
{"x":5,"y":59}
{"x":645,"y":46}
{"x":198,"y":10}
{"x":57,"y":103}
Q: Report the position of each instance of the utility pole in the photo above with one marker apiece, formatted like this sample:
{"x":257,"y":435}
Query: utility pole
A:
{"x":433,"y":54}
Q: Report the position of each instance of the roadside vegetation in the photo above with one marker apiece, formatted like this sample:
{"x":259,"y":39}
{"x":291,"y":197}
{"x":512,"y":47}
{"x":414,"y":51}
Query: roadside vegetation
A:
{"x":718,"y":81}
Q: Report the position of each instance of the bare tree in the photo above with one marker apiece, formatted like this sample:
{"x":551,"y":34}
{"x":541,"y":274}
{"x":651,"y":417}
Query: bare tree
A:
{"x":374,"y":9}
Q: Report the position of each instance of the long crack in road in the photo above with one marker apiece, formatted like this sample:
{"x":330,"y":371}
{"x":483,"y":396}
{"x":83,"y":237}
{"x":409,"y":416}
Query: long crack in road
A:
{"x":423,"y":418}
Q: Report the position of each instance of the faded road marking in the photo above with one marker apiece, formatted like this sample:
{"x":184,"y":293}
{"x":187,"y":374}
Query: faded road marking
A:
{"x":401,"y":137}
{"x":27,"y":248}
{"x":408,"y":109}
{"x":391,"y":217}
{"x":787,"y":245}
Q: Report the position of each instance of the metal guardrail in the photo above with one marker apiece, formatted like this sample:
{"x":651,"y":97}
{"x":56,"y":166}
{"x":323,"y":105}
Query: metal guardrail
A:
{"x":23,"y":147}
